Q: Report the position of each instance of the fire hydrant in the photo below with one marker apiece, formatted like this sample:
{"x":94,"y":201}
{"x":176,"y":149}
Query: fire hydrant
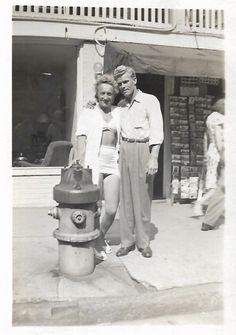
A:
{"x":78,"y":216}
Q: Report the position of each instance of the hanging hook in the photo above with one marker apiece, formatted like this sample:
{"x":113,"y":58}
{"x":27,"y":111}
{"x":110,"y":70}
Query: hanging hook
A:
{"x":66,"y":33}
{"x":105,"y":33}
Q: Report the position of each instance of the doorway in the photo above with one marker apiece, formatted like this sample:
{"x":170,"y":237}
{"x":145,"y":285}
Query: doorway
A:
{"x":154,"y":84}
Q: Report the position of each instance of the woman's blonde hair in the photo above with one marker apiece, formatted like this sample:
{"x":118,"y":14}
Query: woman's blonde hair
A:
{"x":106,"y":79}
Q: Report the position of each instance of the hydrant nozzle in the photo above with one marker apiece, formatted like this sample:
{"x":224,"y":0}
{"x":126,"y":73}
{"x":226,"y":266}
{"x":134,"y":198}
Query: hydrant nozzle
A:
{"x":54,"y":212}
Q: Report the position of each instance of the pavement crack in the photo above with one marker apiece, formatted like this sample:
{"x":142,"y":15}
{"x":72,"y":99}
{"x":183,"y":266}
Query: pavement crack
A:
{"x":143,"y":286}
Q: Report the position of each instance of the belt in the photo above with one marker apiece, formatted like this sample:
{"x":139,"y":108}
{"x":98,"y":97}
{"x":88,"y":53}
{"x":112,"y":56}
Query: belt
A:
{"x":133,"y":140}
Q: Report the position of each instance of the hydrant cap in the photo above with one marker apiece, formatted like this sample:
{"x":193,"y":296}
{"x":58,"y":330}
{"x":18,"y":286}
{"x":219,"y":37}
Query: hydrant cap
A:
{"x":76,"y":186}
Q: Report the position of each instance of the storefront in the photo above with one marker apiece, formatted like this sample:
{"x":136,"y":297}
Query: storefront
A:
{"x":52,"y":81}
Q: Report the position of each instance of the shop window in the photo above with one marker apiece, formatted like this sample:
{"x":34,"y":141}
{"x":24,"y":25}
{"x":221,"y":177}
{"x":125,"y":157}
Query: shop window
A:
{"x":39,"y":112}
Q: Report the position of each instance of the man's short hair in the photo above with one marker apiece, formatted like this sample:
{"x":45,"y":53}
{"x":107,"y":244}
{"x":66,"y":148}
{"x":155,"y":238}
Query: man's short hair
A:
{"x":122,"y":69}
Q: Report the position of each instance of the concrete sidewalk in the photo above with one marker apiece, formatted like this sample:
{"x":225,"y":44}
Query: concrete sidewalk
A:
{"x":183,"y":255}
{"x":184,"y":275}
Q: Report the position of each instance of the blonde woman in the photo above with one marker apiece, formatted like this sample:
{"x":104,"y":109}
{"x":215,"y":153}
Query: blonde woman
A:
{"x":98,"y":144}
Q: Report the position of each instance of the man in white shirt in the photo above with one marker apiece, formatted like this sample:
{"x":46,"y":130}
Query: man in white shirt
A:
{"x":141,"y":138}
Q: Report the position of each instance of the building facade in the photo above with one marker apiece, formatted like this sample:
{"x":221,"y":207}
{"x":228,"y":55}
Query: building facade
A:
{"x":58,"y":52}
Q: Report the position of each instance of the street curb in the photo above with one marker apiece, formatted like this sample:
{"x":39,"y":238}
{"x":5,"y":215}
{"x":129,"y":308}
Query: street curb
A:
{"x":102,"y":310}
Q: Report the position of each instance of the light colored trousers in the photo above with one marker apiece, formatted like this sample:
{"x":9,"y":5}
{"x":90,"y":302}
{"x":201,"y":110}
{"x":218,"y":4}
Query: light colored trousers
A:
{"x":216,"y":204}
{"x":136,"y":194}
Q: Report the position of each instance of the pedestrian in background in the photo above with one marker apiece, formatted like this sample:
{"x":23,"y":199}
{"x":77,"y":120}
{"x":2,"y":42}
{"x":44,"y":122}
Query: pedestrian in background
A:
{"x":212,"y":156}
{"x":141,"y":138}
{"x":216,"y":208}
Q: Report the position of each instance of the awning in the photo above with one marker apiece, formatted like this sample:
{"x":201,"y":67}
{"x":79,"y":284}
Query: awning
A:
{"x":165,"y":60}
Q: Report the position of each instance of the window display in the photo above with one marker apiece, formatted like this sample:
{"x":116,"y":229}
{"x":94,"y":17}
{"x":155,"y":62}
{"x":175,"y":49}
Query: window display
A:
{"x":39,"y":110}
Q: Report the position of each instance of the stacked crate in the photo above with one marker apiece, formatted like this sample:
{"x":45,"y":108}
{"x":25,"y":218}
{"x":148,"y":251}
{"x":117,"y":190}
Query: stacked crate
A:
{"x":187,"y":126}
{"x":199,"y":109}
{"x":179,"y":130}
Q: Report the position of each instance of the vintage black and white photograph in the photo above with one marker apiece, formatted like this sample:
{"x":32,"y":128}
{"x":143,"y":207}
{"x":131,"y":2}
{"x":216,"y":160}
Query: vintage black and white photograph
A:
{"x":119,"y":161}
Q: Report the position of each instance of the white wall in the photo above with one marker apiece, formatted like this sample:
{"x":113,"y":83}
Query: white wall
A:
{"x":70,"y":91}
{"x":90,"y":57}
{"x":33,"y":187}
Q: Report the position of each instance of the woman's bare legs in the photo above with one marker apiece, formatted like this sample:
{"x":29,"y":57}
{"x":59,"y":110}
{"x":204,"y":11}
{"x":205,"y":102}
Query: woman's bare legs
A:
{"x":111,"y":191}
{"x":110,"y":188}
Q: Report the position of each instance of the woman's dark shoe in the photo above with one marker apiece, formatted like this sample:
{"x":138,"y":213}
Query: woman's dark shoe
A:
{"x":147,"y":252}
{"x":124,"y":251}
{"x":206,"y":227}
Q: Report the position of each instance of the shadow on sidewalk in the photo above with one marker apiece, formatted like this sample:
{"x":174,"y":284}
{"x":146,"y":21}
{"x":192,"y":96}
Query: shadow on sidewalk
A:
{"x":113,"y":235}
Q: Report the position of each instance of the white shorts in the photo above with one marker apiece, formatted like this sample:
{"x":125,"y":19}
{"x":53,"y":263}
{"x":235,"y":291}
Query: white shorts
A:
{"x":107,"y":159}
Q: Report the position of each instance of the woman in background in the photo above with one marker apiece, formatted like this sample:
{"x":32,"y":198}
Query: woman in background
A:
{"x":212,"y":155}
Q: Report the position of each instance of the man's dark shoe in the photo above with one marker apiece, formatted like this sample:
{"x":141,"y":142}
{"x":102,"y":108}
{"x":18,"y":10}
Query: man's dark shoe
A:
{"x":206,"y":227}
{"x":124,"y":251}
{"x":147,"y":252}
